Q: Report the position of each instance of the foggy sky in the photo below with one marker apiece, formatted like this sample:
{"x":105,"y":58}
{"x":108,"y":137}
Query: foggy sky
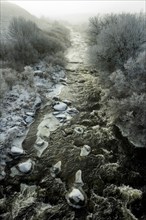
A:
{"x":59,"y":9}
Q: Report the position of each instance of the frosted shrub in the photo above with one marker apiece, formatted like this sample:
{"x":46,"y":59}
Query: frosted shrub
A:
{"x":28,"y":76}
{"x":27,"y":43}
{"x":116,"y":39}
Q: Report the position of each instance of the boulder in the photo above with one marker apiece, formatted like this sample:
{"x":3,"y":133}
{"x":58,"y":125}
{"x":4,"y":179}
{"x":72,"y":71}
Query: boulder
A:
{"x":39,"y":142}
{"x":17,"y":151}
{"x":29,"y":119}
{"x":25,"y":167}
{"x":76,"y":198}
{"x":78,"y":178}
{"x":85,"y":151}
{"x":72,"y":111}
{"x":32,"y":114}
{"x":60,"y":106}
{"x":38,"y":102}
{"x":55,"y":169}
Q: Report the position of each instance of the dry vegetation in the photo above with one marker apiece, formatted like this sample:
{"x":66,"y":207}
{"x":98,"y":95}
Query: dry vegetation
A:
{"x":27,"y":44}
{"x":117,"y":49}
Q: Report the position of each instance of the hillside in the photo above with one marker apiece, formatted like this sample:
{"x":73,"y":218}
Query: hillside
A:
{"x":9,"y":10}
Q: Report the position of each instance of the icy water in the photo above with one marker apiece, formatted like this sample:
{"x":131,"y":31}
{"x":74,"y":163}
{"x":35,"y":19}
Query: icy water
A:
{"x":74,"y":166}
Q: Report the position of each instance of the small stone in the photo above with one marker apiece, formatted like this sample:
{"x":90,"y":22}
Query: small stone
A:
{"x":81,"y":80}
{"x":55,"y":98}
{"x":61,"y":116}
{"x":68,"y":102}
{"x":62,"y":80}
{"x":55,"y":169}
{"x":17,"y":150}
{"x":25,"y":167}
{"x":79,"y":130}
{"x":39,"y":142}
{"x":76,"y":198}
{"x":2,"y":175}
{"x":38,"y":102}
{"x":32,"y":114}
{"x":78,"y":178}
{"x":29,"y":119}
{"x":85,"y":151}
{"x":72,"y":111}
{"x":56,"y":113}
{"x":60,"y":106}
{"x":38,"y":72}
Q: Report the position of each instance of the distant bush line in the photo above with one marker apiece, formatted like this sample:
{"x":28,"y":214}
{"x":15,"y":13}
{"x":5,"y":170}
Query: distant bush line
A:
{"x":118,"y":50}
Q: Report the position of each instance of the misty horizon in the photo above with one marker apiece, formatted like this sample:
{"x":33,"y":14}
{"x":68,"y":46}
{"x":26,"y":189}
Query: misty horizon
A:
{"x":73,"y":10}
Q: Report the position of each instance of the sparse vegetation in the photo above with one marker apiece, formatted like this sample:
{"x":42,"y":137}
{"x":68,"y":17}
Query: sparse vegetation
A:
{"x":117,"y":49}
{"x":26,"y":43}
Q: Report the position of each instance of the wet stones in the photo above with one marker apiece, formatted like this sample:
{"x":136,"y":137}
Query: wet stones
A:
{"x":25,"y":167}
{"x":40,"y":146}
{"x":76,"y":198}
{"x":37,"y":103}
{"x":29,"y":119}
{"x":72,"y":111}
{"x":66,"y":101}
{"x":16,"y":151}
{"x":61,"y":106}
{"x":2,"y":175}
{"x":79,"y":130}
{"x":32,"y":114}
{"x":55,"y":169}
{"x":39,"y":142}
{"x":85,"y":150}
{"x":78,"y":178}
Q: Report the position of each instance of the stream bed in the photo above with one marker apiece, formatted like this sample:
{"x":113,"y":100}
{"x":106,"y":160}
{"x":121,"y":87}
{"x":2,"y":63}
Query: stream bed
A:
{"x":72,"y":164}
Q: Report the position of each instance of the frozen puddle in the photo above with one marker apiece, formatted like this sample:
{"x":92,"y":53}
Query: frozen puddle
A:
{"x":40,"y":146}
{"x":49,"y":123}
{"x":56,"y":90}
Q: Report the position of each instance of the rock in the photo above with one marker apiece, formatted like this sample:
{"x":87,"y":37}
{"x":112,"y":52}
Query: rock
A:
{"x":55,"y":98}
{"x":76,"y":198}
{"x":85,"y":151}
{"x":62,"y":80}
{"x":81,"y":80}
{"x":40,"y":146}
{"x":38,"y":72}
{"x":25,"y":167}
{"x":60,"y":106}
{"x":39,"y":142}
{"x":29,"y":119}
{"x":79,"y":130}
{"x":78,"y":178}
{"x":16,"y":151}
{"x":2,"y":175}
{"x":72,"y":111}
{"x":32,"y":114}
{"x":37,"y":103}
{"x":56,"y":113}
{"x":55,"y":169}
{"x":43,"y":132}
{"x":64,"y":83}
{"x":61,"y":116}
{"x":68,"y":102}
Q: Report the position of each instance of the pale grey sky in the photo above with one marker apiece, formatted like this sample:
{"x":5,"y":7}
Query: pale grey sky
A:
{"x":61,"y":8}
